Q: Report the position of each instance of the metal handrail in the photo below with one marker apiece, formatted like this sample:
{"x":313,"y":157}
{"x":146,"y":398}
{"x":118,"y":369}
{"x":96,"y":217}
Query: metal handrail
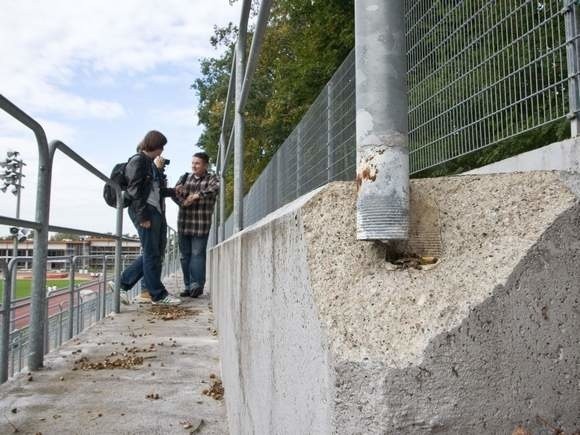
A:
{"x":41,"y":225}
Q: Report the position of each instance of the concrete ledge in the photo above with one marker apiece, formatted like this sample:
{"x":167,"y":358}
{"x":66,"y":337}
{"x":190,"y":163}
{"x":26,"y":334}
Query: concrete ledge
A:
{"x":319,"y":334}
{"x":559,"y":156}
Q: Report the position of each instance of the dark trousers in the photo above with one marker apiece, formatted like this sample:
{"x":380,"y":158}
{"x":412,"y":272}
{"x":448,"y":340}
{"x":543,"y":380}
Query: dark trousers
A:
{"x":193,"y":249}
{"x":148,"y":265}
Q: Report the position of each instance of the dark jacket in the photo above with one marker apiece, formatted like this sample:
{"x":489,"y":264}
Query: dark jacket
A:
{"x":140,"y":173}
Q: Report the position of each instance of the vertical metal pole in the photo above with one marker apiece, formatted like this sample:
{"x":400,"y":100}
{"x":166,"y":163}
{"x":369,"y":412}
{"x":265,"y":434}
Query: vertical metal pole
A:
{"x":15,"y":244}
{"x":104,"y":297}
{"x":239,"y":130}
{"x":118,"y":253}
{"x":329,"y":130}
{"x":222,"y":175}
{"x":299,"y":158}
{"x":5,"y":335}
{"x":381,"y":121}
{"x":572,"y":22}
{"x":71,"y":297}
{"x":38,"y":296}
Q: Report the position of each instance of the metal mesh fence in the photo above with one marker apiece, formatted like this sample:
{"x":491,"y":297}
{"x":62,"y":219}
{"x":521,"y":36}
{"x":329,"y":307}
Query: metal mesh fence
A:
{"x":319,"y":150}
{"x":479,"y":72}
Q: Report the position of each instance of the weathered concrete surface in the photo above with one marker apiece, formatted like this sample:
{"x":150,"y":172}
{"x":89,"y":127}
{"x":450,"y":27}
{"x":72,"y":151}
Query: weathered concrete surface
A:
{"x":319,"y":334}
{"x":559,"y":156}
{"x":113,"y":401}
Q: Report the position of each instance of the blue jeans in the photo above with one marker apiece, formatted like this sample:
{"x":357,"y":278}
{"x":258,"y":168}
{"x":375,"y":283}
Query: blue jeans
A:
{"x":148,"y":265}
{"x":193,"y":250}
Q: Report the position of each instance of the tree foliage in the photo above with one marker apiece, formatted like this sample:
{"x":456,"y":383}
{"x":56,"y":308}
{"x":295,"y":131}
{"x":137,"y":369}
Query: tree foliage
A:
{"x":305,"y":43}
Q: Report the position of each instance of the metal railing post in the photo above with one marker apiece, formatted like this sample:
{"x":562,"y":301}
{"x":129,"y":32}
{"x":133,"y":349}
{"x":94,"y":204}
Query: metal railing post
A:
{"x":71,"y":297}
{"x":572,"y":23}
{"x":118,"y":252}
{"x":5,"y":335}
{"x":239,"y":129}
{"x":38,"y":296}
{"x":381,"y":121}
{"x":239,"y":123}
{"x":103,"y":313}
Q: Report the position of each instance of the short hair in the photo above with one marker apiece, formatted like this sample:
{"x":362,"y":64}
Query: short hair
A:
{"x":153,"y":140}
{"x":203,"y":156}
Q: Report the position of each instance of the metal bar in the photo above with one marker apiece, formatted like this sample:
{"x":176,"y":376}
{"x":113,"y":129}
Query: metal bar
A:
{"x":6,"y":220}
{"x":231,"y":89}
{"x":239,"y":122}
{"x":381,"y":114}
{"x":71,"y":297}
{"x":6,"y":310}
{"x":35,"y":348}
{"x":257,"y":39}
{"x":572,"y":24}
{"x":118,"y":253}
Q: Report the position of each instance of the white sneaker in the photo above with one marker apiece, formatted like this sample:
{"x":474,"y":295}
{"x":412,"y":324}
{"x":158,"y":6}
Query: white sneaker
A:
{"x":124,"y":296}
{"x":167,"y":301}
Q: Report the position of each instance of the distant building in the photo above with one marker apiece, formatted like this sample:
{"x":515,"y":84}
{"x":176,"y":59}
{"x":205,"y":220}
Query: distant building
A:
{"x":90,"y":246}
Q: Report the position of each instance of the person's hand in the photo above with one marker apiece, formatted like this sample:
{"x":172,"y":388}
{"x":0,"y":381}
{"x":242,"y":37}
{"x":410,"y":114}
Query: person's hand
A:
{"x":159,"y":162}
{"x":180,"y":190}
{"x":146,"y":224}
{"x":190,"y":199}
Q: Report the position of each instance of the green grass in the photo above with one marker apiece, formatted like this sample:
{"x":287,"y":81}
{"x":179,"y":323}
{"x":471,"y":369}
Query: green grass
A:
{"x":23,"y":286}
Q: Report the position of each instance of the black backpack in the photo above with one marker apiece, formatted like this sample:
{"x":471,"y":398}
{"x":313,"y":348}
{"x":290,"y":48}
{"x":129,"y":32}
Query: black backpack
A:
{"x":118,"y":176}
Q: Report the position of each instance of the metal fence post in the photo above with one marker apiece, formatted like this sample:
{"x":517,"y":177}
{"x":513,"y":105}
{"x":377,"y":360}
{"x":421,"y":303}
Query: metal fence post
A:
{"x":38,"y":295}
{"x":239,"y":130}
{"x":104,"y":303}
{"x":5,"y":336}
{"x":329,"y":130}
{"x":118,"y":252}
{"x":572,"y":22}
{"x":71,"y":297}
{"x":299,"y":158}
{"x":381,"y":121}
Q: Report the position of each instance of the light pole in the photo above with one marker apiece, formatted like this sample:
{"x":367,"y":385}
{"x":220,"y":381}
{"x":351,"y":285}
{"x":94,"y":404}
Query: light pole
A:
{"x":12,"y":177}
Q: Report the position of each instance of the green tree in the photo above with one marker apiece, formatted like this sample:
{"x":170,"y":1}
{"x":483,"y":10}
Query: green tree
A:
{"x":305,"y":43}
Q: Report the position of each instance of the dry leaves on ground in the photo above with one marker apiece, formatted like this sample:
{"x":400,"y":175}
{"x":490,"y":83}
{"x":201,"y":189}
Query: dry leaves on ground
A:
{"x":216,"y":389}
{"x":171,"y":313}
{"x":124,"y":362}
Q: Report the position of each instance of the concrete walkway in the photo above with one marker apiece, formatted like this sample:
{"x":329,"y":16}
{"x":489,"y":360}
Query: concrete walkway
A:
{"x":167,"y":363}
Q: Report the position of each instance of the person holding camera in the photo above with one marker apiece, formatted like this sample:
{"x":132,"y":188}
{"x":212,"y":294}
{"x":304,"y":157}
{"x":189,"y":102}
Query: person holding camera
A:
{"x":147,"y":190}
{"x":196,"y":193}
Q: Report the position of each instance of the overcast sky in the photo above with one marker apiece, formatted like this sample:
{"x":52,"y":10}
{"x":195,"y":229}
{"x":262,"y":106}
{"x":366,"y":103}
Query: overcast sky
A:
{"x":98,"y":74}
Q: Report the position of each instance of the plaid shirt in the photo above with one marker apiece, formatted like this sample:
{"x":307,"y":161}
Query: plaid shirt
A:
{"x":195,"y":220}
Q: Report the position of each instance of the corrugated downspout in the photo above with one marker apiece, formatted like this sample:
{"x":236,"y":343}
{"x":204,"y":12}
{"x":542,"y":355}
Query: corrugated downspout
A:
{"x":381,"y":121}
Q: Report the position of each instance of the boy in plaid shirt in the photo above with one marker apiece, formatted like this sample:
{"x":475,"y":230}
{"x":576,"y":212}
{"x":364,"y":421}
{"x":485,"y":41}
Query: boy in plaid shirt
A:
{"x":196,"y":195}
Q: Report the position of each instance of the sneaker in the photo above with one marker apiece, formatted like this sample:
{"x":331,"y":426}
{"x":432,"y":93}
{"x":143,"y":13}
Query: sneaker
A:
{"x":167,"y":301}
{"x":185,"y":294}
{"x":197,"y":292}
{"x":123,"y":293}
{"x":143,"y":298}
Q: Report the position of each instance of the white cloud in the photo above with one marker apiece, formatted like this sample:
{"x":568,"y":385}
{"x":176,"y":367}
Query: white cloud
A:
{"x":63,"y":62}
{"x":53,"y":42}
{"x":180,"y":117}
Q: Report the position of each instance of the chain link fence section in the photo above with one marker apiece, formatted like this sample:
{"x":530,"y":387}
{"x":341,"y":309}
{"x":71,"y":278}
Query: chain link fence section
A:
{"x":480,"y":72}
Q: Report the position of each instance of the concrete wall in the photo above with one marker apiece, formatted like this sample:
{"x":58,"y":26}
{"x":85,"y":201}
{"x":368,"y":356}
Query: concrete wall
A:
{"x":274,"y":354}
{"x":319,"y":334}
{"x":559,"y":156}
